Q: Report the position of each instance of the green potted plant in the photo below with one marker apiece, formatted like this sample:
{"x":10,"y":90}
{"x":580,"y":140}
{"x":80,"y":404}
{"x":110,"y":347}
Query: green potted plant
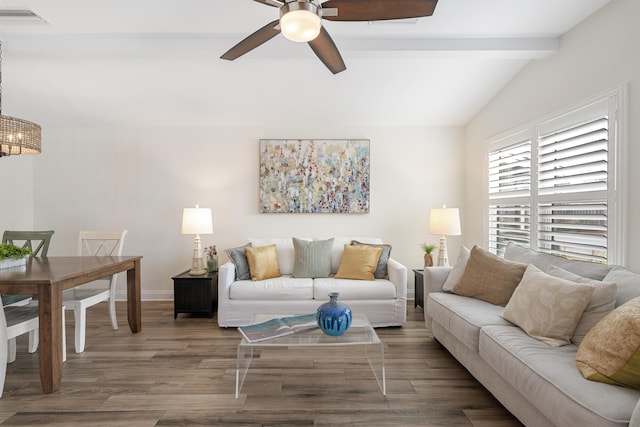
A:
{"x":12,"y":255}
{"x":428,"y":258}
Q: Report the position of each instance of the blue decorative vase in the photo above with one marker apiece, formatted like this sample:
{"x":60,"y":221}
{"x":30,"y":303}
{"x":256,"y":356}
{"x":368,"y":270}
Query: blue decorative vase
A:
{"x":334,"y":317}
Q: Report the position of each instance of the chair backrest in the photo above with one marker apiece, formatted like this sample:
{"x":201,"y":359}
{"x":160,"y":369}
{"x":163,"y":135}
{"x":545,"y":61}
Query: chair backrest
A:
{"x":29,"y":239}
{"x":101,"y":243}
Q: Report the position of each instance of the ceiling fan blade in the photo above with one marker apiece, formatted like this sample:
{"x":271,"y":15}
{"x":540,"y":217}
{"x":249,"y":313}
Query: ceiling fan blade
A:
{"x":326,"y":49}
{"x":274,"y":3}
{"x":261,"y":36}
{"x":379,"y":10}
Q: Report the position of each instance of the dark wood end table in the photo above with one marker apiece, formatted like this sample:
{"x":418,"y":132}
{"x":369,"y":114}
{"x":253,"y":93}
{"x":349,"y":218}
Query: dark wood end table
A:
{"x":195,"y":294}
{"x":419,"y":287}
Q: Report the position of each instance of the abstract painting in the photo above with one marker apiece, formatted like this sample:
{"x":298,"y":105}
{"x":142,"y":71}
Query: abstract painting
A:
{"x":314,"y":176}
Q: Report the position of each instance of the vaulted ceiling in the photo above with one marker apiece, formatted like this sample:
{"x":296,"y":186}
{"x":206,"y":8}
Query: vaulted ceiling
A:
{"x":157,"y":61}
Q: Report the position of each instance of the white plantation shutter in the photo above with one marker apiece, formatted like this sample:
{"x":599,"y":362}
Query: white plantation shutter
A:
{"x":509,"y":195}
{"x":572,"y":187}
{"x":556,"y":191}
{"x":574,"y":160}
{"x":508,"y":223}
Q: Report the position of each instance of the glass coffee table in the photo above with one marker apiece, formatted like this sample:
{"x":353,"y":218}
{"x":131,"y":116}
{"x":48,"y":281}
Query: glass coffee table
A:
{"x":361,"y":338}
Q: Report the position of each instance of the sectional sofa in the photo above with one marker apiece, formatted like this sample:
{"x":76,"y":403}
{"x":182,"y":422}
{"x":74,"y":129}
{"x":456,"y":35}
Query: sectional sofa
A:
{"x":383,"y":299}
{"x":540,"y":384}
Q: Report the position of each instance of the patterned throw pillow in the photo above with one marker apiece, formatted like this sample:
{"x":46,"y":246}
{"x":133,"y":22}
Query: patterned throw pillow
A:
{"x":546,"y":307}
{"x":381,"y":268}
{"x":312,"y":259}
{"x":239,"y":259}
{"x":610,"y":352}
{"x":358,"y":262}
{"x":489,"y":278}
{"x":263,"y":262}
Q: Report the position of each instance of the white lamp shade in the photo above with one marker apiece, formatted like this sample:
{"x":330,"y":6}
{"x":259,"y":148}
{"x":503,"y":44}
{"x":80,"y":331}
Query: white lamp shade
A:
{"x":197,"y":221}
{"x":444,"y":221}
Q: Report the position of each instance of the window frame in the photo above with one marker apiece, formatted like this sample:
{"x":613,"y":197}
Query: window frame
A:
{"x":615,"y":101}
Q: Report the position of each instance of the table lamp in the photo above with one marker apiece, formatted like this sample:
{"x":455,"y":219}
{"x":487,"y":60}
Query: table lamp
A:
{"x":445,"y":222}
{"x":197,"y":221}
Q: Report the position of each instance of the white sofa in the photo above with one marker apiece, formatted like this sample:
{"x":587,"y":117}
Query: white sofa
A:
{"x":384,"y":301}
{"x":539,"y":384}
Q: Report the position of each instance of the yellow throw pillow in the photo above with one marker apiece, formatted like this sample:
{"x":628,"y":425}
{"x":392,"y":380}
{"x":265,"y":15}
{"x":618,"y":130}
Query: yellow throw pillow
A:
{"x":263,"y":262}
{"x":358,"y":262}
{"x":610,"y":352}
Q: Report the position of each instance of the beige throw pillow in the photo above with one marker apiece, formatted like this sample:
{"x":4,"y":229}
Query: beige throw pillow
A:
{"x":358,"y":262}
{"x":489,"y":278}
{"x":602,"y":302}
{"x":546,"y":307}
{"x":610,"y":353}
{"x":263,"y":262}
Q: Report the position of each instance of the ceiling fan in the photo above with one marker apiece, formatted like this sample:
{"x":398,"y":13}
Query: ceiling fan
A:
{"x":300,"y":20}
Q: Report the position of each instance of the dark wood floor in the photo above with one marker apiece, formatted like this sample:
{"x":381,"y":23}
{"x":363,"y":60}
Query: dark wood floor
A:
{"x":182,"y":373}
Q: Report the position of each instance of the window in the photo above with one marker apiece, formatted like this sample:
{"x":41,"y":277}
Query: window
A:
{"x":556,"y":186}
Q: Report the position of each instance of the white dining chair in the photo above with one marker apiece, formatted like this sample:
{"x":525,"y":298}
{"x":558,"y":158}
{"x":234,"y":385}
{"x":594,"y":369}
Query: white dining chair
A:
{"x":15,"y":321}
{"x":78,"y":299}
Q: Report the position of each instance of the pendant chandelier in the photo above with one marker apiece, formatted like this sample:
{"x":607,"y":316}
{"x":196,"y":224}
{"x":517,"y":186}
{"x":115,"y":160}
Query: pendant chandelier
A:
{"x":17,"y":136}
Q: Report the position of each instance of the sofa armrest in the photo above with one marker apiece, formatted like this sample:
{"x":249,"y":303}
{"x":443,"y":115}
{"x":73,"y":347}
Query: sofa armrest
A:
{"x":434,"y":278}
{"x":226,"y":276}
{"x":398,"y":276}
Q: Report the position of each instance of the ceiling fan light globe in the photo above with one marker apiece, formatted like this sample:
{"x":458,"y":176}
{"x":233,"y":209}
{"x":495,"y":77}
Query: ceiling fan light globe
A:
{"x":300,"y":22}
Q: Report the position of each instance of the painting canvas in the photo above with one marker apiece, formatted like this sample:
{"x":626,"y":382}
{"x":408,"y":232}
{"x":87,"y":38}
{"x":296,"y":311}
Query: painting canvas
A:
{"x":314,"y":176}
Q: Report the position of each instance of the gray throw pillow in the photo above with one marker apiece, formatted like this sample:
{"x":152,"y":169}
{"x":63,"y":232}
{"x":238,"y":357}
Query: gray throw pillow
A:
{"x":312,"y":259}
{"x":381,"y":268}
{"x":239,"y":259}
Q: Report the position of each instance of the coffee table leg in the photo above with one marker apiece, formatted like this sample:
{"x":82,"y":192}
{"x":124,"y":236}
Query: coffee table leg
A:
{"x":375,"y":356}
{"x":243,"y":361}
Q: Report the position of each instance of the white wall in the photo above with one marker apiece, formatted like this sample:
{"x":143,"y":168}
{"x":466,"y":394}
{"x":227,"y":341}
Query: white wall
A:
{"x":599,"y":54}
{"x":16,"y":193}
{"x":140,"y":178}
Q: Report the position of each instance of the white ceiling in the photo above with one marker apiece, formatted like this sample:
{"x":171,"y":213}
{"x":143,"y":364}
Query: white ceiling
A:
{"x":161,"y":57}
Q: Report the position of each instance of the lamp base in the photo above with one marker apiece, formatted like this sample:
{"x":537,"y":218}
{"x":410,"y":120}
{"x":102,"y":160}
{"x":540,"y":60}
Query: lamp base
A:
{"x":197,"y":272}
{"x":443,"y":258}
{"x":197,"y":265}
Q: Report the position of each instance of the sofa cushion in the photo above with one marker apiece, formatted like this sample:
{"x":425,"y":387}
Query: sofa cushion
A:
{"x":381,"y":267}
{"x":283,"y":288}
{"x":610,"y":352}
{"x":358,"y":262}
{"x":489,"y":277}
{"x":458,"y":270}
{"x":549,"y":379}
{"x":239,"y":258}
{"x":263,"y":262}
{"x":543,"y":261}
{"x":463,"y":316}
{"x":628,"y":283}
{"x":546,"y":307}
{"x":312,"y":259}
{"x":602,"y":302}
{"x":378,"y":289}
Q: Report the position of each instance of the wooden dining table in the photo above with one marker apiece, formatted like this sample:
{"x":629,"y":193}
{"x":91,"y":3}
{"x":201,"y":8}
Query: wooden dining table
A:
{"x":47,"y":277}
